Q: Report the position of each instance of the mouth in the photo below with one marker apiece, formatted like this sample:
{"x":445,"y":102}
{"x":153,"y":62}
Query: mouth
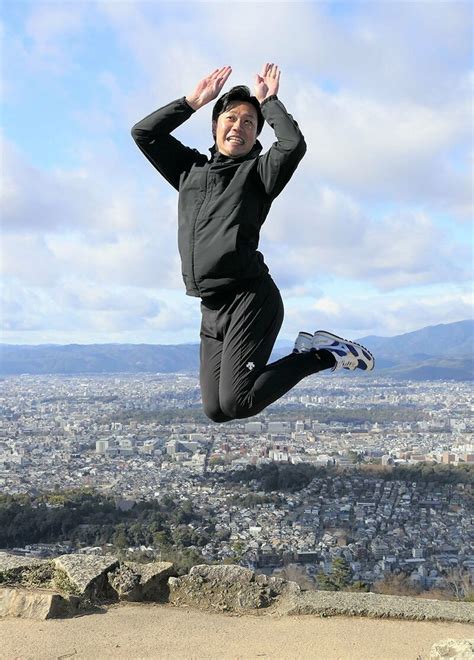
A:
{"x":233,"y":139}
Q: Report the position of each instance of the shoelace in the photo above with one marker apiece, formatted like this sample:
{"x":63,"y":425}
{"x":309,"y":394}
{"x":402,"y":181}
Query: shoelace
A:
{"x":349,"y":361}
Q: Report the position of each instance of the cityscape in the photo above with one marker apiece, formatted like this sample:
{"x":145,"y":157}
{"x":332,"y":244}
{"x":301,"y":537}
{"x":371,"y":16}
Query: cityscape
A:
{"x":143,"y":437}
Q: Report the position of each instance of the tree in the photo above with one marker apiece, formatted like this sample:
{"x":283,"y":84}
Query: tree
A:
{"x":183,"y":536}
{"x":341,"y":573}
{"x":325,"y":582}
{"x":119,"y":538}
{"x":339,"y":578}
{"x":161,"y":539}
{"x":458,"y":581}
{"x":238,"y":548}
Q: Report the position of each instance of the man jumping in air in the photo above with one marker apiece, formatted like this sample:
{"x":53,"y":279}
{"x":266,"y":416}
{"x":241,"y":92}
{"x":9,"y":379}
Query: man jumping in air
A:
{"x":222,"y":204}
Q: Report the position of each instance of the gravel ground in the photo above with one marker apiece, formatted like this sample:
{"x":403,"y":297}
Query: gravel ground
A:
{"x":136,"y":631}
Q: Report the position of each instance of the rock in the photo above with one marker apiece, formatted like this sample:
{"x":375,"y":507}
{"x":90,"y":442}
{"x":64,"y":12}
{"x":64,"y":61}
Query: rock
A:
{"x":125,"y":582}
{"x":37,"y":604}
{"x":138,"y":582}
{"x":13,"y":567}
{"x":86,"y":576}
{"x":334,"y":603}
{"x":458,"y":649}
{"x":225,"y":573}
{"x":8,"y":562}
{"x":95,"y":579}
{"x":154,"y":580}
{"x":227,"y":588}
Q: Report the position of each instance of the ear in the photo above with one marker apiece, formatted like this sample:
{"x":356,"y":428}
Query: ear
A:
{"x":214,"y":128}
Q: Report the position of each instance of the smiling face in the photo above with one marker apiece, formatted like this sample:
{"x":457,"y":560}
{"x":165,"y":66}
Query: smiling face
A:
{"x":235,"y":130}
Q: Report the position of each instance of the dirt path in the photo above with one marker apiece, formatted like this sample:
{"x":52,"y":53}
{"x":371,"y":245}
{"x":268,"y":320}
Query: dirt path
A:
{"x":160,"y":631}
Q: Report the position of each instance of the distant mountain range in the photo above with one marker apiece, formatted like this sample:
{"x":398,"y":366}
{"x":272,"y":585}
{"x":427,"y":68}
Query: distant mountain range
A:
{"x":437,"y":352}
{"x":440,"y":352}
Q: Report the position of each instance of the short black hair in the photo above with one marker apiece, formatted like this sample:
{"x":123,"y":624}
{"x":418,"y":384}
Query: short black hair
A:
{"x":238,"y":93}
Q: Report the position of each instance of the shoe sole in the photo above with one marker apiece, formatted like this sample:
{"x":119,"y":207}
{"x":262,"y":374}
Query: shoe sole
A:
{"x":365,"y":352}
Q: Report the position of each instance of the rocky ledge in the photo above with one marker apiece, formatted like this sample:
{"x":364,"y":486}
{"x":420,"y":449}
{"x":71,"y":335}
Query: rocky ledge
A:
{"x":229,"y":589}
{"x":73,"y":584}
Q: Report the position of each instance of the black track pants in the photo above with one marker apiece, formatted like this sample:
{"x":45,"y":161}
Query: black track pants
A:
{"x":238,"y":332}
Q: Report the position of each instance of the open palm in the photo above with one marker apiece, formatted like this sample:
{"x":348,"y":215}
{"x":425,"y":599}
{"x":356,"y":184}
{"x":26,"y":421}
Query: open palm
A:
{"x":209,"y":87}
{"x":267,"y":82}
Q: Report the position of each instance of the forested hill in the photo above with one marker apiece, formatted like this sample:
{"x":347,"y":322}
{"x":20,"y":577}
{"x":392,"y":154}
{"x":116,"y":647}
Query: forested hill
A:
{"x":441,"y":352}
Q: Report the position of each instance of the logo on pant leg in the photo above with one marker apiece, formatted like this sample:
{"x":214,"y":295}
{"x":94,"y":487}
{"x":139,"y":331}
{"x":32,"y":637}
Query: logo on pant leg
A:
{"x":250,"y":366}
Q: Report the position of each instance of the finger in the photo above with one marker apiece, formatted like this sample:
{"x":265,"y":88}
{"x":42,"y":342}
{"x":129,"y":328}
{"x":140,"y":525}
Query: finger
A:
{"x":226,"y":71}
{"x":219,"y":72}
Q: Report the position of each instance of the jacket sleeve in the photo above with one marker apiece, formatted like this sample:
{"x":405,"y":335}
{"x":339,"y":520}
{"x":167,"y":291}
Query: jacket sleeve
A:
{"x":166,"y":153}
{"x":276,"y":167}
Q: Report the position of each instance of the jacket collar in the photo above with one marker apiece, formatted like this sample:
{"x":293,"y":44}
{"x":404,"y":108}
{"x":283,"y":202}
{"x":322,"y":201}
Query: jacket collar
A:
{"x":217,"y":157}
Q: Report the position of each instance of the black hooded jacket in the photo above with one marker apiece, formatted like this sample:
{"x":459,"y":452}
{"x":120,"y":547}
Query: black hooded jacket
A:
{"x":223,"y":201}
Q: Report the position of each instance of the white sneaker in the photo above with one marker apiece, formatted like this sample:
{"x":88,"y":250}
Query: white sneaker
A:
{"x":348,"y":354}
{"x":303,"y":343}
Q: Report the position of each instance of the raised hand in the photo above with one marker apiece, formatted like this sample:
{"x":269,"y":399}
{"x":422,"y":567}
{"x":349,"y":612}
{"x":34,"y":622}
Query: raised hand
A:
{"x":209,"y":87}
{"x":267,"y":82}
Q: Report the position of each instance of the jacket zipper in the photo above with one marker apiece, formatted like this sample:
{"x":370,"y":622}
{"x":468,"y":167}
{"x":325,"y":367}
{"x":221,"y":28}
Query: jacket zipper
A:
{"x":197,"y":217}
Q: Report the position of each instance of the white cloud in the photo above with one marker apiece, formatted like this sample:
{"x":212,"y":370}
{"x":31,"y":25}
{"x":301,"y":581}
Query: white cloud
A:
{"x":134,"y":259}
{"x":169,"y":50}
{"x":95,"y":220}
{"x":399,"y":152}
{"x":383,"y":96}
{"x":50,"y":29}
{"x":82,"y":311}
{"x":23,"y":308}
{"x":390,"y":50}
{"x":85,"y":294}
{"x":41,"y":200}
{"x":329,"y":235}
{"x":355,"y":315}
{"x":417,"y":50}
{"x":29,"y":259}
{"x":384,"y":135}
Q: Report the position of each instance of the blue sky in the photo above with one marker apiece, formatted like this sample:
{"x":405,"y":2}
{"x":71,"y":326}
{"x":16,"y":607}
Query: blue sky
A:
{"x":373,"y":235}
